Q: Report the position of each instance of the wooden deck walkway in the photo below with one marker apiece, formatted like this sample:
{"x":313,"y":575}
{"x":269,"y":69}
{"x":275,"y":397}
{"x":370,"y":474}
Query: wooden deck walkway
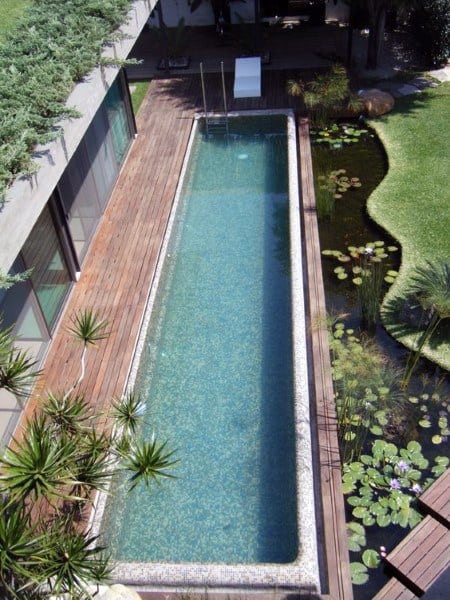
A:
{"x":424,"y":555}
{"x":118,"y":272}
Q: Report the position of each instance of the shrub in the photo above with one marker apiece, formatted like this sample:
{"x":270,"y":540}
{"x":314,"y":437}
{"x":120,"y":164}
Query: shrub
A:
{"x":55,"y":45}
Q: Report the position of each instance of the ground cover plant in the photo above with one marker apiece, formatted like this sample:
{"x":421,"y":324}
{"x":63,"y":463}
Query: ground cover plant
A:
{"x":10,"y":12}
{"x":413,"y":201}
{"x":55,"y":45}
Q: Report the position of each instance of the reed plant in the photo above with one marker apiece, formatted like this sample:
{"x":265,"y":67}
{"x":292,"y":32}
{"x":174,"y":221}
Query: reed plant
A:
{"x":367,"y":389}
{"x":331,"y":187}
{"x":367,"y":266}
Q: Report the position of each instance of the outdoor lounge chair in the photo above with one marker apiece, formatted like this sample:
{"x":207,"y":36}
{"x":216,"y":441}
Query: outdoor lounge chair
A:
{"x":247,"y":77}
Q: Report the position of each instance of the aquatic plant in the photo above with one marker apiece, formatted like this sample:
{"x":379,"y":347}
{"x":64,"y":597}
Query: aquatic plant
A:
{"x":331,"y":187}
{"x":337,"y":134}
{"x":367,"y":389}
{"x":365,"y":265}
{"x":382,"y":489}
{"x":432,"y":415}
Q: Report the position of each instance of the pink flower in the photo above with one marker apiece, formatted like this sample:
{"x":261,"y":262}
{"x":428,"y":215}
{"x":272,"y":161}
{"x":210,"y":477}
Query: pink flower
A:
{"x":416,"y":488}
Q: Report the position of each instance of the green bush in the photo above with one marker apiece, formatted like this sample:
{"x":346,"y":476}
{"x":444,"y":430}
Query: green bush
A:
{"x":431,"y":27}
{"x":54,"y":46}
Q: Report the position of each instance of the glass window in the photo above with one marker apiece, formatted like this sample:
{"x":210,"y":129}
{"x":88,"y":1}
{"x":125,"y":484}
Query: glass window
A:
{"x":19,"y":307}
{"x":50,"y":276}
{"x":118,"y":119}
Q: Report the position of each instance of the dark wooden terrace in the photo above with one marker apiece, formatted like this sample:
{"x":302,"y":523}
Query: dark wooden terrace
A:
{"x":119,"y":269}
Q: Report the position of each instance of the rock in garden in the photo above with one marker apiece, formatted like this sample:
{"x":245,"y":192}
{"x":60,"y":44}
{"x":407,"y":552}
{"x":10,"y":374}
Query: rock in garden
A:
{"x":376,"y":102}
{"x":117,"y":592}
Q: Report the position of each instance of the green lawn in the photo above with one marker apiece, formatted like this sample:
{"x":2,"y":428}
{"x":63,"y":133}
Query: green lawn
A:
{"x":137,"y":95}
{"x":413,"y":201}
{"x":10,"y":11}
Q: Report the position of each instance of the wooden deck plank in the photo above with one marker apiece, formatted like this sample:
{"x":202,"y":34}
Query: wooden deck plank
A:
{"x":395,"y":590}
{"x":334,"y":529}
{"x":422,"y":556}
{"x":436,"y":499}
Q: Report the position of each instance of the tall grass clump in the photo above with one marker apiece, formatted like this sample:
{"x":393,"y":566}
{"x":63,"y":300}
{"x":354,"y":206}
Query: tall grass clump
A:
{"x":367,"y":389}
{"x":366,"y":265}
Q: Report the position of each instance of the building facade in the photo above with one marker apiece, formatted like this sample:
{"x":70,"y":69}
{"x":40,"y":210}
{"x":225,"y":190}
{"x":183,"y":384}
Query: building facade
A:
{"x":48,"y":222}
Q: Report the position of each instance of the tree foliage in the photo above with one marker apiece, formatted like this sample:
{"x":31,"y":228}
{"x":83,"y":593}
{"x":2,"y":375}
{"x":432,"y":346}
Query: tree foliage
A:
{"x":55,"y":45}
{"x":431,"y":27}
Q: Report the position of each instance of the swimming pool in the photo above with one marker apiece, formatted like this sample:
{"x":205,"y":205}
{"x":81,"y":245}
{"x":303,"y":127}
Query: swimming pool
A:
{"x":222,"y":367}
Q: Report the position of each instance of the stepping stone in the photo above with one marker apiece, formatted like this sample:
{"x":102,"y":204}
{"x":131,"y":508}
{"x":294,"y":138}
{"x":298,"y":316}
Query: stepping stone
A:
{"x":422,"y":83}
{"x":406,"y":89}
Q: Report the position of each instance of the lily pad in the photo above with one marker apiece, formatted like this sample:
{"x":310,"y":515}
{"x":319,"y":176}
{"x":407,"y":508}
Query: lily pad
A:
{"x":359,"y":573}
{"x":371,"y":558}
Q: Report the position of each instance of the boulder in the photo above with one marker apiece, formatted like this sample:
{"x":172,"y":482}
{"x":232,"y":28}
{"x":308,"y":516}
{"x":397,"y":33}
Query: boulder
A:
{"x":376,"y":102}
{"x":117,"y":592}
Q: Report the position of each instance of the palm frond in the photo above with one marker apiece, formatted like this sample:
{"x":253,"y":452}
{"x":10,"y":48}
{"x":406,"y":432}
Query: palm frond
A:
{"x":88,"y":327}
{"x":148,"y":461}
{"x":128,"y":411}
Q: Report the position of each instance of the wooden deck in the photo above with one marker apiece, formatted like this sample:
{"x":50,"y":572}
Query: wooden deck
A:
{"x":436,"y":499}
{"x":424,"y":555}
{"x":118,"y":271}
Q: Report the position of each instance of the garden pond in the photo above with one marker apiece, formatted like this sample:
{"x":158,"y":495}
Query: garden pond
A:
{"x":394,"y":439}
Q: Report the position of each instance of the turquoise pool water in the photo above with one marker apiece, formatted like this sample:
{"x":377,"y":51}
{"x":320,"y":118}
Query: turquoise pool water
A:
{"x":216,"y":371}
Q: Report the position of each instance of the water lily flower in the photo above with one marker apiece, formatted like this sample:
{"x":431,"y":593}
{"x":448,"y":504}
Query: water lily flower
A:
{"x":416,"y":488}
{"x":394,"y":484}
{"x":403,"y":465}
{"x":368,"y":250}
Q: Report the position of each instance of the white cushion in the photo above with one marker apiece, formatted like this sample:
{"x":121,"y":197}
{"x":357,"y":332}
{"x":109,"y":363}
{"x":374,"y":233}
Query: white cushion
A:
{"x":247,"y":77}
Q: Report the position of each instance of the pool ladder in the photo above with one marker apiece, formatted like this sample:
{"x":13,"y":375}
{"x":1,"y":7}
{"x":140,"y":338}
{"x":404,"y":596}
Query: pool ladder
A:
{"x":218,"y":123}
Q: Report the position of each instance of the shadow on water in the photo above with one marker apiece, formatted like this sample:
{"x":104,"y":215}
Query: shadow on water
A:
{"x":278,"y":506}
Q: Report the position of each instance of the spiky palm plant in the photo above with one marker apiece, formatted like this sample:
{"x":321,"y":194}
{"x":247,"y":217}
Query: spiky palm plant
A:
{"x":68,"y":415}
{"x":127,"y":412}
{"x":89,"y":328}
{"x":17,"y":372}
{"x":37,"y":465}
{"x":148,"y":461}
{"x":20,"y":551}
{"x":430,"y":286}
{"x":73,"y":561}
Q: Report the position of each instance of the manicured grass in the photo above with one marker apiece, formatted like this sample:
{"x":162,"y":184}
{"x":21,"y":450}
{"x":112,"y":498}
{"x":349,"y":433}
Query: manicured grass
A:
{"x":10,"y":12}
{"x":413,"y":201}
{"x":137,"y":95}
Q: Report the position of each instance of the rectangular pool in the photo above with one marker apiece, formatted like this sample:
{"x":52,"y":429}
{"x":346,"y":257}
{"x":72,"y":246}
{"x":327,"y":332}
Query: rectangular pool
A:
{"x":219,"y":369}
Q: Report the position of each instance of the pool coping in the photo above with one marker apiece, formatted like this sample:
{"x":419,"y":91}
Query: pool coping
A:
{"x":303,"y":573}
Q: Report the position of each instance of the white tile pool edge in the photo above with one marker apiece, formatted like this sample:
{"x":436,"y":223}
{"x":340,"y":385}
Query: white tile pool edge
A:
{"x":303,"y":573}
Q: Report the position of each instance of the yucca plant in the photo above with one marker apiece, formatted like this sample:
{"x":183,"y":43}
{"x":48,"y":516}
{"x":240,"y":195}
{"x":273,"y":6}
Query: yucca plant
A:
{"x":21,"y":550}
{"x":17,"y":368}
{"x":128,"y":411}
{"x":68,"y":415}
{"x":37,"y":466}
{"x":148,"y":461}
{"x":73,"y":561}
{"x":89,"y":328}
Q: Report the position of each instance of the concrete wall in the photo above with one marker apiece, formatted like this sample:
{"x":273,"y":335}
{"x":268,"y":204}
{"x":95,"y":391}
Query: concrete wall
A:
{"x":26,"y":198}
